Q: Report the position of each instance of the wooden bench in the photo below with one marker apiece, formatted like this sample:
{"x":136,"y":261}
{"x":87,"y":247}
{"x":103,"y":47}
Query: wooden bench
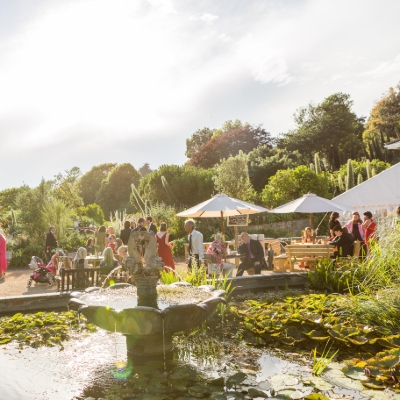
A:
{"x":307,"y":253}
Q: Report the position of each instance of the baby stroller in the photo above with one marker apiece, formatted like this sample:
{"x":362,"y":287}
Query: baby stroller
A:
{"x":43,"y":273}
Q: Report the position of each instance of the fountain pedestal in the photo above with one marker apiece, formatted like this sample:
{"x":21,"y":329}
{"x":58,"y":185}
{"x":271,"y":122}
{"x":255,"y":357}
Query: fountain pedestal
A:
{"x":154,"y":344}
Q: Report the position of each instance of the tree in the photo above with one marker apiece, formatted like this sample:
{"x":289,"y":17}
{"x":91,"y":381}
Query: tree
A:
{"x":264,"y":162}
{"x":180,"y":186}
{"x":89,"y":184}
{"x":331,"y":128}
{"x":229,"y":144}
{"x":145,"y":169}
{"x":232,"y":178}
{"x":384,"y":118}
{"x":290,"y":184}
{"x":93,"y":213}
{"x":64,"y":188}
{"x":198,"y":140}
{"x":8,"y":198}
{"x":115,"y":190}
{"x":229,"y":126}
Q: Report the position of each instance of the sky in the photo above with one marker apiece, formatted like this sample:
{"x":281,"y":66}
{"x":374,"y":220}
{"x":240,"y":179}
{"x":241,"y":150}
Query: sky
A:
{"x":85,"y":82}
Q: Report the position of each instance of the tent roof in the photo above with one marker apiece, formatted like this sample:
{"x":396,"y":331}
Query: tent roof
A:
{"x":382,"y":191}
{"x":393,"y":145}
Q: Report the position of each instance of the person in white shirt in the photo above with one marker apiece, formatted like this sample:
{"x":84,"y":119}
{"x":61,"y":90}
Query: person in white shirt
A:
{"x":195,"y":244}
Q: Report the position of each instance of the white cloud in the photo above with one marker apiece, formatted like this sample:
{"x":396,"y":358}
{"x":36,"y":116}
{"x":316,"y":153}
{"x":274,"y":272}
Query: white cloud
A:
{"x":208,"y":17}
{"x":384,"y":68}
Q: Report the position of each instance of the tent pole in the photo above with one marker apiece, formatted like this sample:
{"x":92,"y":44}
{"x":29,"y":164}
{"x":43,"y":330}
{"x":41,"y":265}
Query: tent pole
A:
{"x":223,"y":225}
{"x":311,"y":220}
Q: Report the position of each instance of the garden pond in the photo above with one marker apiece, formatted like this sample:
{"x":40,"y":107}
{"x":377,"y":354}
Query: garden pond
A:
{"x":260,"y":349}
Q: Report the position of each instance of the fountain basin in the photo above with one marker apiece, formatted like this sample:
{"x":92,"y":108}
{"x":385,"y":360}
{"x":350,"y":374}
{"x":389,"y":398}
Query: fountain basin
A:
{"x":149,"y":330}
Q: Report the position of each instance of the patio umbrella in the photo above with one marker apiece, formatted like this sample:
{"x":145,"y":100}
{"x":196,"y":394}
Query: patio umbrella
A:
{"x":222,"y":206}
{"x":311,"y":203}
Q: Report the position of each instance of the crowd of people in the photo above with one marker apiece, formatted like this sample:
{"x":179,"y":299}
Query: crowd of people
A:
{"x":356,"y":234}
{"x":355,"y":231}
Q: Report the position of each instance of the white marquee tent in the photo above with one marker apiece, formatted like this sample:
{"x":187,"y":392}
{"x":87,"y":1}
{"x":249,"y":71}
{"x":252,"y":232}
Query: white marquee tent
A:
{"x":381,"y":192}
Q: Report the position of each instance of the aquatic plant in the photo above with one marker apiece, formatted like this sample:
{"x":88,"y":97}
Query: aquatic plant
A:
{"x":41,"y":329}
{"x":320,"y":363}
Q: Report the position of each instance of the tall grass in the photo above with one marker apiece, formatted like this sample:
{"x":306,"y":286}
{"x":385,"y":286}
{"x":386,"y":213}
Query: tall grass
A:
{"x":373,"y":283}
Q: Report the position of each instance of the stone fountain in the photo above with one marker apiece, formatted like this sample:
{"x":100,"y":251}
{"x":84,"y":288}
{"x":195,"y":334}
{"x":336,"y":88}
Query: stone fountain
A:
{"x":147,"y":328}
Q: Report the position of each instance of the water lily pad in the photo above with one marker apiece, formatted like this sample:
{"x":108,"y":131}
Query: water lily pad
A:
{"x":199,"y":391}
{"x":318,"y":336}
{"x":315,"y":318}
{"x":385,"y":360}
{"x":316,"y":396}
{"x":358,"y":340}
{"x":234,"y":396}
{"x":376,"y":395}
{"x":374,"y":384}
{"x":336,"y":335}
{"x":217,"y":396}
{"x":235,"y":379}
{"x":293,"y":394}
{"x":284,"y":380}
{"x":254,"y":393}
{"x":320,"y":384}
{"x":348,"y":383}
{"x":354,"y":372}
{"x":265,"y":385}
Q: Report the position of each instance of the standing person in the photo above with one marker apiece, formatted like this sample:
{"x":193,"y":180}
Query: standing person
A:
{"x":333,"y":223}
{"x":164,"y":247}
{"x":195,"y":244}
{"x":355,"y":228}
{"x":140,"y":226}
{"x":254,"y":253}
{"x":100,"y":239}
{"x":3,"y":256}
{"x":343,"y":241}
{"x":51,"y":241}
{"x":133,"y":225}
{"x":219,"y":248}
{"x":369,"y":226}
{"x":150,"y":226}
{"x":125,"y":233}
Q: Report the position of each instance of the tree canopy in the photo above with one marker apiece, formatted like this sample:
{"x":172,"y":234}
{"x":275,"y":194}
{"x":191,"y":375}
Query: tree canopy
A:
{"x":331,"y":128}
{"x":228,"y":144}
{"x":89,"y":184}
{"x":263,"y":162}
{"x":182,"y":186}
{"x":232,"y":178}
{"x":114,"y":193}
{"x":290,"y":184}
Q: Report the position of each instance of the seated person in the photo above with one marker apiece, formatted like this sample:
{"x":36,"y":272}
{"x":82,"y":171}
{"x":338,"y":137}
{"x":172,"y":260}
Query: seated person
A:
{"x":80,"y":259}
{"x":123,"y":254}
{"x":219,"y":249}
{"x":308,"y":236}
{"x":112,"y":243}
{"x":108,"y":261}
{"x":343,"y":242}
{"x":89,"y":246}
{"x":254,"y":253}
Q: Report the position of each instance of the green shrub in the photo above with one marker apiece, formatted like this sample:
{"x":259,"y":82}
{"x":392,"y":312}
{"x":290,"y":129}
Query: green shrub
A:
{"x":179,"y":248}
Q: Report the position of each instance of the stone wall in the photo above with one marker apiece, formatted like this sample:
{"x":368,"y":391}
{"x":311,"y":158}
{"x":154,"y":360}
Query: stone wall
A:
{"x":293,"y":228}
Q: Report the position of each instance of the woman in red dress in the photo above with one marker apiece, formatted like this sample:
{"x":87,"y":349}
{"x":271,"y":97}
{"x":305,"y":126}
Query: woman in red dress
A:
{"x":164,"y":247}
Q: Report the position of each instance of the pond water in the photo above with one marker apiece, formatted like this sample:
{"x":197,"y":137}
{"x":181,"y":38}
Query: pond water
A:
{"x":95,"y":366}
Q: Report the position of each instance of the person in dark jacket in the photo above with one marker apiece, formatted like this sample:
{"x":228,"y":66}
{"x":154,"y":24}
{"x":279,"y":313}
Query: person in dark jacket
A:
{"x":343,"y":242}
{"x":150,"y":226}
{"x":253,"y":252}
{"x":125,"y":233}
{"x":51,"y":241}
{"x":140,"y":226}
